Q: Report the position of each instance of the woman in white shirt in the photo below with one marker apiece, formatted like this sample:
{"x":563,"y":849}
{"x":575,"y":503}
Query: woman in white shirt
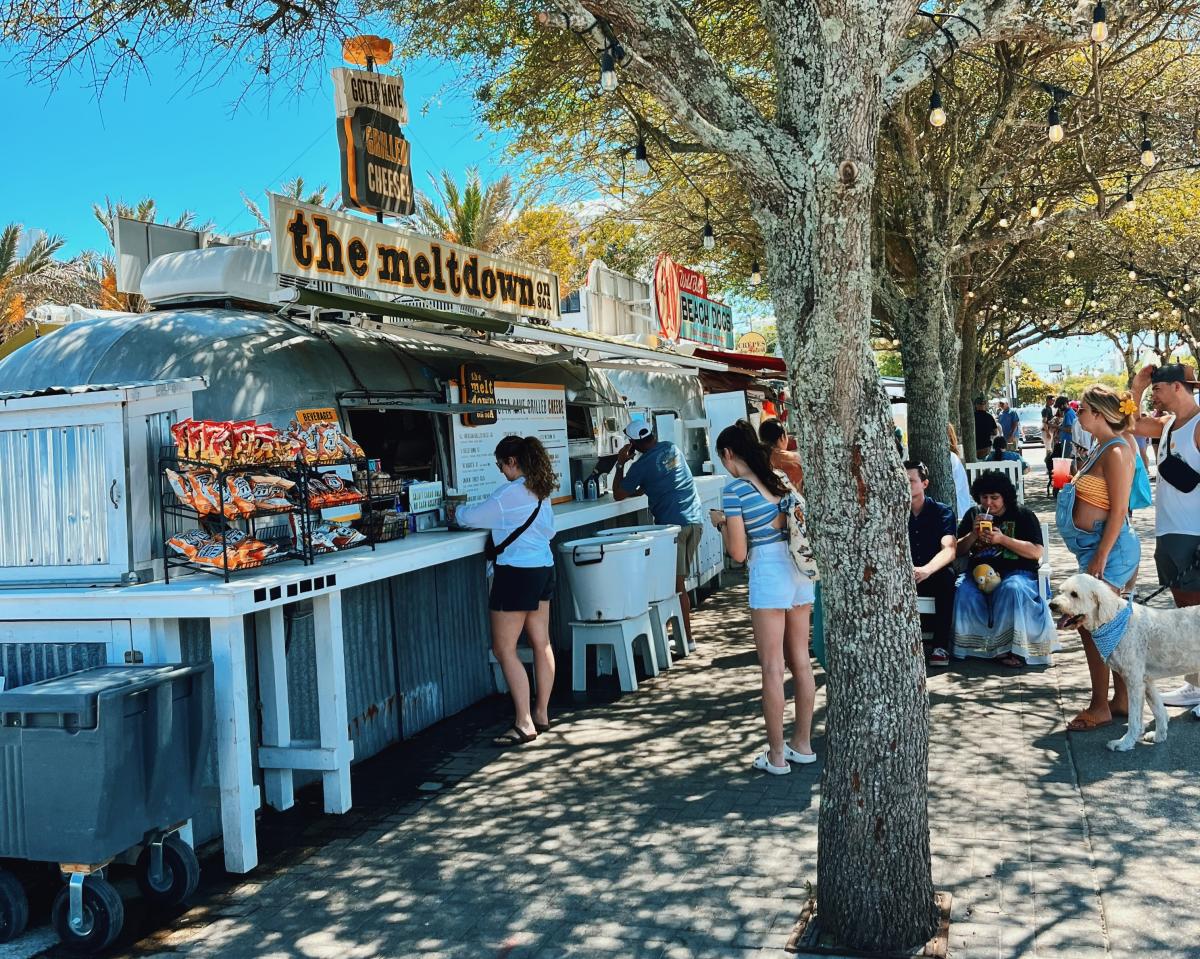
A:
{"x":521,"y":522}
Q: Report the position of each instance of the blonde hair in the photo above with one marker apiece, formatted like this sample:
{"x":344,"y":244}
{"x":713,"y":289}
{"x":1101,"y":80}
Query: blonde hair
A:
{"x":1107,"y":403}
{"x":953,"y":436}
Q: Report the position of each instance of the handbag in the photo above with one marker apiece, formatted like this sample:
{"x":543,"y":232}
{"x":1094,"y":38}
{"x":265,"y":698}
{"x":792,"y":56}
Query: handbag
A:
{"x":793,"y":507}
{"x":491,"y":550}
{"x":1174,"y":469}
{"x":1140,"y":494}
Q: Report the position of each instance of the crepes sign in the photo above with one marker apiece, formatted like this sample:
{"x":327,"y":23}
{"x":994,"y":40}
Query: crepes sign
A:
{"x":376,"y":166}
{"x":318,"y":244}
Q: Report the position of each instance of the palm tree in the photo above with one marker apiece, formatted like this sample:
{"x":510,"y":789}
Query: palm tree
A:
{"x":474,"y":216}
{"x":146,"y":210}
{"x":35,"y":277}
{"x":293,"y":190}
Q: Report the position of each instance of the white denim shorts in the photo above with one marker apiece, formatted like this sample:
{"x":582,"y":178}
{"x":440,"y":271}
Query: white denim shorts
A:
{"x":774,"y":581}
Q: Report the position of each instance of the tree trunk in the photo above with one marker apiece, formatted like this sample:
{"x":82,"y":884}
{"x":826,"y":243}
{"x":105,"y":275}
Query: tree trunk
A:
{"x":920,"y":328}
{"x":966,"y":388}
{"x":875,"y":887}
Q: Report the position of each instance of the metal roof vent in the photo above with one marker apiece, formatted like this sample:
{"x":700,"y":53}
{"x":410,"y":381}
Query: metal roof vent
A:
{"x":240,"y":273}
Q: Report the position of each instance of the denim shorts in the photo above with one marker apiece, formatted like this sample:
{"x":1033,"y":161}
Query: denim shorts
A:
{"x":1122,"y":560}
{"x":774,"y":581}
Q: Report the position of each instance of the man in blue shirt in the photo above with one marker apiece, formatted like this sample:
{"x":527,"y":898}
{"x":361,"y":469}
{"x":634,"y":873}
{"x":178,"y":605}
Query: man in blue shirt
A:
{"x":662,"y":474}
{"x":933,"y":544}
{"x":1063,"y":441}
{"x":1010,"y":426}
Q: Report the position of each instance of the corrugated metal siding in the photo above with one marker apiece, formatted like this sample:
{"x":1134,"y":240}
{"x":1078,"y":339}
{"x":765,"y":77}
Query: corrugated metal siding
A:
{"x":23,"y":663}
{"x":158,"y":435}
{"x":464,"y":634}
{"x":371,"y":693}
{"x":52,"y":510}
{"x":418,"y":658}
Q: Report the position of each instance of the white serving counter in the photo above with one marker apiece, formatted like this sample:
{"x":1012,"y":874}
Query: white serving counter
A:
{"x":153,"y":612}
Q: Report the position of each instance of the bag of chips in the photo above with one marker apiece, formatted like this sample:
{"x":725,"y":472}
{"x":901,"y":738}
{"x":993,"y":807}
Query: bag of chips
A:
{"x":186,"y":544}
{"x":346,"y":536}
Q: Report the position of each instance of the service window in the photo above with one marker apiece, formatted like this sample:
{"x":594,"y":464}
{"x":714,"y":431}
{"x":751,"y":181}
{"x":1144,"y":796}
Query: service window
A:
{"x":579,"y":422}
{"x":402,"y":440}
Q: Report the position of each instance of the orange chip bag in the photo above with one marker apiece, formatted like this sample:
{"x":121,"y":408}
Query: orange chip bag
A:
{"x":187,"y":544}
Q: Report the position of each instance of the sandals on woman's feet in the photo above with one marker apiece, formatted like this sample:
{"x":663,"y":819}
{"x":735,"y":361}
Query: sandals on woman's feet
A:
{"x":514,"y":737}
{"x":1011,"y":662}
{"x":541,"y":727}
{"x":791,"y":755}
{"x":1085,"y":722}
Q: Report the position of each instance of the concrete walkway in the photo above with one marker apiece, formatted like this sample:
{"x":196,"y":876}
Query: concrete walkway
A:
{"x":636,"y":828}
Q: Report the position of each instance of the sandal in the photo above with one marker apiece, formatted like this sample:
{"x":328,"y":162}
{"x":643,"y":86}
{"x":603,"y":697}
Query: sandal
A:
{"x":762,"y":762}
{"x":514,"y":737}
{"x":1085,"y":722}
{"x":541,"y":727}
{"x":1011,"y":662}
{"x":791,"y":755}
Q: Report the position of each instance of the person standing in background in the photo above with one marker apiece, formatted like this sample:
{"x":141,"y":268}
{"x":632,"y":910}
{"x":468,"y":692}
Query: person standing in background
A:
{"x":1010,"y":427}
{"x":775,"y":438}
{"x":661,"y":473}
{"x":985,"y":428}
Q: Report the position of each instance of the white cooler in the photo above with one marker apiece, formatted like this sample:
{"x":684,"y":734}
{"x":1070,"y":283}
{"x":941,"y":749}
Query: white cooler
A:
{"x":663,"y":555}
{"x":609,"y":576}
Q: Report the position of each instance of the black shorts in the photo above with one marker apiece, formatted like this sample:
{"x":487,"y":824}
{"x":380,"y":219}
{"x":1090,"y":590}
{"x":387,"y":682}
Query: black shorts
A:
{"x":520,"y":588}
{"x":1173,"y":555}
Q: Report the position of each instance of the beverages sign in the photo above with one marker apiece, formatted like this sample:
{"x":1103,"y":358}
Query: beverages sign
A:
{"x":684,"y":310}
{"x":376,"y":167}
{"x":318,"y":244}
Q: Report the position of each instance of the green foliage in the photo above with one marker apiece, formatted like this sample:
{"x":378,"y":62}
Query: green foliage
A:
{"x":889,"y":363}
{"x":1032,"y":390}
{"x":474,"y":216}
{"x":1073,"y":386}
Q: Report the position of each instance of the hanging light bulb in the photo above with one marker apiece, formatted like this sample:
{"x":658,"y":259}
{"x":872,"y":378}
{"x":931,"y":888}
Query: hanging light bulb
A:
{"x":1068,"y":302}
{"x":1035,"y":210}
{"x":1148,"y":157}
{"x":1054,"y":127}
{"x":755,"y":274}
{"x":641,"y":166}
{"x":1070,"y":250}
{"x":1003,"y":223}
{"x":937,"y":115}
{"x":710,"y":239}
{"x":1024,"y":301}
{"x":1130,"y":201}
{"x":1099,"y":24}
{"x":1187,"y":287}
{"x":1170,"y":294}
{"x":970,"y":294}
{"x":1133,"y":275}
{"x":608,"y":72}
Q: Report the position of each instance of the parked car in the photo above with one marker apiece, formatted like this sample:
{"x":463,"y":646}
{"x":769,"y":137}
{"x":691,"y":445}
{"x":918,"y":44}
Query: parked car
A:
{"x":1030,"y":418}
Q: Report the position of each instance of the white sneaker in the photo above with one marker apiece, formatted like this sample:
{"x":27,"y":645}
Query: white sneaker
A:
{"x":1196,"y":712}
{"x":1185,"y":695}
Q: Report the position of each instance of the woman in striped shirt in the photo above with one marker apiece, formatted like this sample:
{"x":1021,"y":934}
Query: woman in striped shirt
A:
{"x":753,"y":528}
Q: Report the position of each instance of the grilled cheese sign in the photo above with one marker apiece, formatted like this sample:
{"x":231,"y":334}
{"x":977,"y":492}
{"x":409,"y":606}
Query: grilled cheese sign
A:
{"x":318,"y":244}
{"x":376,"y":172}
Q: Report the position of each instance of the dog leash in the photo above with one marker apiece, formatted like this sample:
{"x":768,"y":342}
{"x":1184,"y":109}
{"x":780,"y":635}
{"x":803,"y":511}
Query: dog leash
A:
{"x":1144,"y":601}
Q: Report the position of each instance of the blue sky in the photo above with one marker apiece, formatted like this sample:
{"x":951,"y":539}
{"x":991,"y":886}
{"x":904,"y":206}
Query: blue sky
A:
{"x":191,"y":149}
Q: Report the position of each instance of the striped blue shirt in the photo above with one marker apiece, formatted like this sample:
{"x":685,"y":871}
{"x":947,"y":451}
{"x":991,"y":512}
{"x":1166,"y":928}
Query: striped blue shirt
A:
{"x":741,"y":498}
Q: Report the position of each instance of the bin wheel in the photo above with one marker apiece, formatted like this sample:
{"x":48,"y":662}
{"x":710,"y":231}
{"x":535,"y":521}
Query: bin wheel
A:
{"x":14,"y":907}
{"x":103,"y":916}
{"x":180,"y":873}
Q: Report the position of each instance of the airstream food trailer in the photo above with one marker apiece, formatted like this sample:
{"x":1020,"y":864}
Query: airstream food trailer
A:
{"x":354,"y":650}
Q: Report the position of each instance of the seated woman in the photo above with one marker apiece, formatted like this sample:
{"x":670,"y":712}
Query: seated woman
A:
{"x":1008,"y":620}
{"x":1000,"y":453}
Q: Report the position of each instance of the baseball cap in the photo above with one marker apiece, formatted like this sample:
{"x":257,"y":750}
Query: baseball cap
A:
{"x":1174,"y":373}
{"x":980,"y":399}
{"x":638,"y":429}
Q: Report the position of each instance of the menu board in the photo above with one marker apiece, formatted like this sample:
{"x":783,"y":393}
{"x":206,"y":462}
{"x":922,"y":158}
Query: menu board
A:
{"x":542,"y":413}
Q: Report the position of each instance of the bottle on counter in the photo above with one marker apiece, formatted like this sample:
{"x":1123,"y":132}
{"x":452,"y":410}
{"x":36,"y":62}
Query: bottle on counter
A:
{"x":579,"y":491}
{"x":592,"y":488}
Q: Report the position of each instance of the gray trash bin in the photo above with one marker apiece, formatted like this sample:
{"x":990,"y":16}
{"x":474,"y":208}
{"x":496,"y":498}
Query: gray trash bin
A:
{"x":96,"y":764}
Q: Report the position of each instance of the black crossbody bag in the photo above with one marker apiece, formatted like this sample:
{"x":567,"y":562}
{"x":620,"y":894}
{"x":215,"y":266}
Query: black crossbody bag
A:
{"x":1175,"y":471}
{"x":491,"y":550}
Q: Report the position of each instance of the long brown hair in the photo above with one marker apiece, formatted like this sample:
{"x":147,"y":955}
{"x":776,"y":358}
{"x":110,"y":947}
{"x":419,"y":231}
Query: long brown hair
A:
{"x":534,"y":461}
{"x":741,"y":440}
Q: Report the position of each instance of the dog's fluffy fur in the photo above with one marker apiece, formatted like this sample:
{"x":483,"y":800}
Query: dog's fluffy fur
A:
{"x":1158,"y":643}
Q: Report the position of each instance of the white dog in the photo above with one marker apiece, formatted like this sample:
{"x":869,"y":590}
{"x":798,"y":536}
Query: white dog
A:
{"x":1158,"y":643}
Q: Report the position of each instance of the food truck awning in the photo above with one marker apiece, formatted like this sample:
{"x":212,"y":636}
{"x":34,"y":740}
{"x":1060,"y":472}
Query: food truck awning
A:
{"x":593,"y":342}
{"x":755,"y":362}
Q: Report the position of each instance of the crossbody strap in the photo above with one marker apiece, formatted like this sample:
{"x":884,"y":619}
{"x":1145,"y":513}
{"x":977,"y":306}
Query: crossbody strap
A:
{"x":512,"y":537}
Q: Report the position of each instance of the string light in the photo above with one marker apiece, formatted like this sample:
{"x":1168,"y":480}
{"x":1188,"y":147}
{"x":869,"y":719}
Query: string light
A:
{"x":1035,"y":210}
{"x":1024,"y":301}
{"x":1070,"y":250}
{"x":970,"y":294}
{"x":641,"y":165}
{"x":709,"y":238}
{"x":1003,"y":223}
{"x":608,"y":72}
{"x":755,"y":274}
{"x":1130,"y":201}
{"x":937,"y":116}
{"x":1133,"y":275}
{"x":1099,"y":24}
{"x":1148,"y":157}
{"x":1054,"y":127}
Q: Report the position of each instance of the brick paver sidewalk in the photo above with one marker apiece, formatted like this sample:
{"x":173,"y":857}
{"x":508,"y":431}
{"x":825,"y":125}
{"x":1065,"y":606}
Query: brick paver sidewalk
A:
{"x":637,"y":828}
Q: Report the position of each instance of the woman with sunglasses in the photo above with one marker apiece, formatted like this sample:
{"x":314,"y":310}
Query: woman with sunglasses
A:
{"x":521,"y":522}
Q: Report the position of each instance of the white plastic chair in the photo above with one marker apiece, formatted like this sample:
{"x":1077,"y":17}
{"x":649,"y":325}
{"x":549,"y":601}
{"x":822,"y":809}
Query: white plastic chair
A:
{"x":1012,"y":468}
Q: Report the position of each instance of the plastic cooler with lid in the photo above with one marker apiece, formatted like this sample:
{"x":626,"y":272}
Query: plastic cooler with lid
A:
{"x":663,"y":555}
{"x":609,"y":576}
{"x":97,"y":765}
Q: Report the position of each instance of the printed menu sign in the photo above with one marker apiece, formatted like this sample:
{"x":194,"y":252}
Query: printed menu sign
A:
{"x":541,"y":412}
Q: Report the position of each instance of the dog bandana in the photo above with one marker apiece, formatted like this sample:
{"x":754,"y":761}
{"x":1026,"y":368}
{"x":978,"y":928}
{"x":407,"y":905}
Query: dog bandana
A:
{"x":1109,"y":636}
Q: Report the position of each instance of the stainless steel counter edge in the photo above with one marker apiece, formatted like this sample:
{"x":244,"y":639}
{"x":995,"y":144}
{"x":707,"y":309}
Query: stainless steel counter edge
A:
{"x":198,"y":597}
